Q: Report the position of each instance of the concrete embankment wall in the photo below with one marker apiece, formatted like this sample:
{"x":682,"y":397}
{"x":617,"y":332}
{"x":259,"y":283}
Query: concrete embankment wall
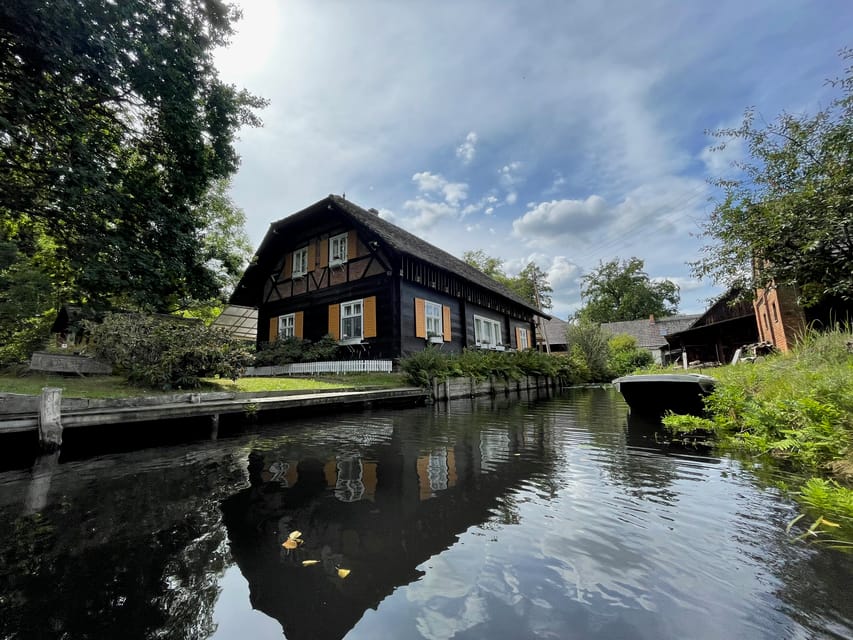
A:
{"x":470,"y":387}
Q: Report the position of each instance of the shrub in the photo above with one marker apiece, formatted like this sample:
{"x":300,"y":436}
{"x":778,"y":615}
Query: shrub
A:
{"x":423,"y":366}
{"x":625,"y":356}
{"x":587,"y":344}
{"x":165,"y":354}
{"x":292,"y":349}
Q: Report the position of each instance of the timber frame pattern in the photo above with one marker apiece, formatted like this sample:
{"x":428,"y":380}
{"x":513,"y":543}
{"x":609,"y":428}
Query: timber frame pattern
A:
{"x":387,"y":272}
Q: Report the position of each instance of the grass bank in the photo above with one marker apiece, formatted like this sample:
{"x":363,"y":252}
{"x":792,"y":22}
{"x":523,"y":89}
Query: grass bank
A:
{"x":118,"y":387}
{"x":795,"y":409}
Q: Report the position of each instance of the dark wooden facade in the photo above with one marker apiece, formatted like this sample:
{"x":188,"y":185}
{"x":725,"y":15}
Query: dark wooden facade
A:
{"x":717,"y":334}
{"x":390,"y":274}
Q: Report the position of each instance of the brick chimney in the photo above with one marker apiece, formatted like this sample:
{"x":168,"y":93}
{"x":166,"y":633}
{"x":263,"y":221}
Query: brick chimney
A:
{"x":651,"y":319}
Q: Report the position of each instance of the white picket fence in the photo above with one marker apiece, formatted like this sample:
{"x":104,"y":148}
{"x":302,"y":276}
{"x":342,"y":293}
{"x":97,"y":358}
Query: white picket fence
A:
{"x":316,"y":368}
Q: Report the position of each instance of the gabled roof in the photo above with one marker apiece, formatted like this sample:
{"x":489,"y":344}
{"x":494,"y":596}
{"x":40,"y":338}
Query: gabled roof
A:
{"x":397,"y":239}
{"x":555,"y":331}
{"x":650,"y":332}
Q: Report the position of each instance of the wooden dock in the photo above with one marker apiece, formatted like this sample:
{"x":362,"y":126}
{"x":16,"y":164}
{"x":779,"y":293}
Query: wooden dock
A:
{"x":20,"y":414}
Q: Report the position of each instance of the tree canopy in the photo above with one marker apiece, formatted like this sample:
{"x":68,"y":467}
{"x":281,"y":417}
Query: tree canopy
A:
{"x":531,"y":284}
{"x":787,"y":214}
{"x":617,"y":291}
{"x":114,"y":128}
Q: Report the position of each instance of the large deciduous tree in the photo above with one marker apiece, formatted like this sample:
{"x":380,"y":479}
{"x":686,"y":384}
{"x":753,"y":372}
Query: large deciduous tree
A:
{"x":787,"y":213}
{"x":617,"y":291}
{"x":114,"y":126}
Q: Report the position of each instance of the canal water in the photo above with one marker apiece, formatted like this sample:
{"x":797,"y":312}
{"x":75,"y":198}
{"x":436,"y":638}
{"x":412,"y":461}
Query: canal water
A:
{"x":531,"y":517}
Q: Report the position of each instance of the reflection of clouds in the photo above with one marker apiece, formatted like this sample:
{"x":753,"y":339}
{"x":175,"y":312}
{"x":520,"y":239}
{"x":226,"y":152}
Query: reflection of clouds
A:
{"x":449,"y":600}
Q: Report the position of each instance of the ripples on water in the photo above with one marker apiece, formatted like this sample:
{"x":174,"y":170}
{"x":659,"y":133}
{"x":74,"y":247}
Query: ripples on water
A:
{"x":522,"y":518}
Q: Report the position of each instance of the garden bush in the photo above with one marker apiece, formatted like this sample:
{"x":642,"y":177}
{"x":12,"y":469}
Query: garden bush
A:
{"x":291,"y":349}
{"x":625,"y":357}
{"x":163,"y":353}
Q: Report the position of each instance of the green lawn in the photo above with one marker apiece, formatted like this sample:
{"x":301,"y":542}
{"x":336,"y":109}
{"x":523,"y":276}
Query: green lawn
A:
{"x":117,"y":387}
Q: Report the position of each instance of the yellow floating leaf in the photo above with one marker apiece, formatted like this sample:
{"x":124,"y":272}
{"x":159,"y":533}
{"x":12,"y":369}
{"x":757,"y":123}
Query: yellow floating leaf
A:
{"x":343,"y":573}
{"x":295,"y":535}
{"x":289,"y":544}
{"x":310,"y":563}
{"x":828,"y":523}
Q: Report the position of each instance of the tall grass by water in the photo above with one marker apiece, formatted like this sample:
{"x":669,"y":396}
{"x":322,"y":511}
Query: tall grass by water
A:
{"x":796,"y":409}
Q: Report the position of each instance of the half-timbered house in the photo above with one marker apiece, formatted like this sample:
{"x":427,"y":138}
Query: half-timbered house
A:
{"x":380,"y":291}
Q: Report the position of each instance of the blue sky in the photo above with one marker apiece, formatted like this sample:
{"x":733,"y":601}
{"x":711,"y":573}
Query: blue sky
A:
{"x":565,"y":132}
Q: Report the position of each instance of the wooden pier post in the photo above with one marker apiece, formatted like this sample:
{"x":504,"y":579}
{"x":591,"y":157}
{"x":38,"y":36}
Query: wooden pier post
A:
{"x":50,"y":418}
{"x":214,"y":426}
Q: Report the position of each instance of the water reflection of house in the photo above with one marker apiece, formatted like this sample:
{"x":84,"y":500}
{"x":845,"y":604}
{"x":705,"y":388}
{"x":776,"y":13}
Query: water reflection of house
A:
{"x":379,"y":512}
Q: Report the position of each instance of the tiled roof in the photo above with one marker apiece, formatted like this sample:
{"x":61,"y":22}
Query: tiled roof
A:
{"x":649,"y":332}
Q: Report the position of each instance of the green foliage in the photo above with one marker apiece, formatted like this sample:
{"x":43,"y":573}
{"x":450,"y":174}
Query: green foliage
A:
{"x":787,"y":207}
{"x":165,"y":353}
{"x":830,"y":499}
{"x":623,"y":291}
{"x":796,"y":406}
{"x":588,"y":347}
{"x":290,"y":349}
{"x":625,"y":356}
{"x":531,"y":284}
{"x":28,"y":300}
{"x":423,"y":366}
{"x":116,"y":129}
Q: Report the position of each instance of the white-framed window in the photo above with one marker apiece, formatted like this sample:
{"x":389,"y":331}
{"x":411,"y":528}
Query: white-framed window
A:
{"x":434,"y":317}
{"x":287,"y":326}
{"x":300,"y":262}
{"x":338,"y":249}
{"x":523,"y":339}
{"x":487,"y":332}
{"x":352,"y":321}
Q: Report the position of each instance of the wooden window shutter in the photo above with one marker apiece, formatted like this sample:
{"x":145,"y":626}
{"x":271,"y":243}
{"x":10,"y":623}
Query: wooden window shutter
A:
{"x":335,"y":321}
{"x":273,"y":329}
{"x":298,"y":323}
{"x":311,"y":257}
{"x":369,"y":327}
{"x":445,"y":323}
{"x":420,"y":318}
{"x":324,"y":253}
{"x":287,"y":272}
{"x":352,"y":245}
{"x":518,"y":338}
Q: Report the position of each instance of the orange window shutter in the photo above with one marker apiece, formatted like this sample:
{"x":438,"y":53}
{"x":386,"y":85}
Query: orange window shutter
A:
{"x":517,"y":338}
{"x":273,"y":328}
{"x":352,"y":245}
{"x":287,"y":272}
{"x":445,"y":323}
{"x":298,"y":324}
{"x":370,"y":317}
{"x":420,"y":318}
{"x":335,"y":321}
{"x":324,"y":253}
{"x":311,"y":257}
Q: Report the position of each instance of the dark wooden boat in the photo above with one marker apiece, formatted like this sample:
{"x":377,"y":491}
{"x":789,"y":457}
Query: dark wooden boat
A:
{"x":657,"y":393}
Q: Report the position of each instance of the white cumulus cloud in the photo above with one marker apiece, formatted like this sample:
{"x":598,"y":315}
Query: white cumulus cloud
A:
{"x":468,"y":149}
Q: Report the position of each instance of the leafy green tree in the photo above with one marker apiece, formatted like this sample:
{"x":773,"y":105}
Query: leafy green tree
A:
{"x":618,"y":291}
{"x":531,"y":284}
{"x":588,"y":347}
{"x":113,"y":127}
{"x":787,"y":213}
{"x":492,"y":267}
